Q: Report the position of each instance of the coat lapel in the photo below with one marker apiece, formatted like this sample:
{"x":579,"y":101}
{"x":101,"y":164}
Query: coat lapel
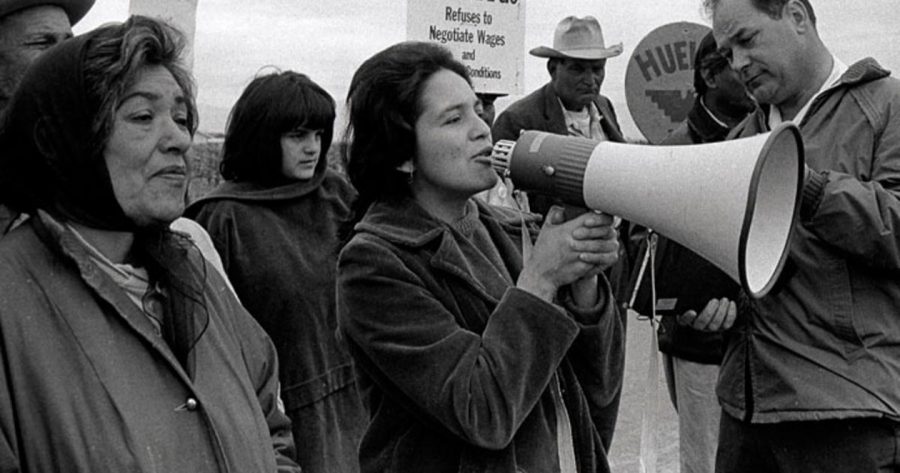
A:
{"x":407,"y":224}
{"x":555,"y":122}
{"x":449,"y":258}
{"x":87,"y":328}
{"x":609,"y":123}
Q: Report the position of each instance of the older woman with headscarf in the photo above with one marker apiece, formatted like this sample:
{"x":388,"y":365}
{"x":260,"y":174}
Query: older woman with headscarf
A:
{"x":121,"y":349}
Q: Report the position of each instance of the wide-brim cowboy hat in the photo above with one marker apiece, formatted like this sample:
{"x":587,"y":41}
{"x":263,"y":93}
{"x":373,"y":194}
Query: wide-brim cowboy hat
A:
{"x":578,"y":38}
{"x":75,"y":9}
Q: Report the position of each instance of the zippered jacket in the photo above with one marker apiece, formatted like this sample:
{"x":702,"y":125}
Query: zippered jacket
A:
{"x":825,"y":342}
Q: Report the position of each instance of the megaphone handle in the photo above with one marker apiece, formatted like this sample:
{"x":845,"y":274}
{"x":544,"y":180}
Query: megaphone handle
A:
{"x":572,"y":211}
{"x":648,"y":256}
{"x":651,"y":250}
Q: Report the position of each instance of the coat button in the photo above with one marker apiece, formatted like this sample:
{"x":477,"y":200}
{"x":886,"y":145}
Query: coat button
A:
{"x":191,"y":404}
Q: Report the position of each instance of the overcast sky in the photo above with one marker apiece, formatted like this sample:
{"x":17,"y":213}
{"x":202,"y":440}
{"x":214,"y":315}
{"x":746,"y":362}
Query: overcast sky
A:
{"x":328,"y":39}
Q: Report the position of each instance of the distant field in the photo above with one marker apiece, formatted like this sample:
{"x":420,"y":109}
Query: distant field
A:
{"x":203,"y":161}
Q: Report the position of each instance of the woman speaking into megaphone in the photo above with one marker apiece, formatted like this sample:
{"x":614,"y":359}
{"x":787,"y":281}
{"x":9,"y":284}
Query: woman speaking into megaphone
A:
{"x":479,"y":348}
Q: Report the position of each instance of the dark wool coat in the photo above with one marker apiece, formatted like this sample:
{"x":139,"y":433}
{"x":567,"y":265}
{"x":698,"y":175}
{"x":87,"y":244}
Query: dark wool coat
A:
{"x":87,"y":384}
{"x":279,"y":249}
{"x":455,"y":378}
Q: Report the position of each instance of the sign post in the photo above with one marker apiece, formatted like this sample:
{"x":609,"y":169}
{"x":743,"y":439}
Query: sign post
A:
{"x":659,"y":81}
{"x":181,"y":14}
{"x":487,"y":36}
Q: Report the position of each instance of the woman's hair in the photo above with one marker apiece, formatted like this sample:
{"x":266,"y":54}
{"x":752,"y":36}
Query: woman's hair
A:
{"x":115,"y":56}
{"x":272,"y":105}
{"x":384,"y":101}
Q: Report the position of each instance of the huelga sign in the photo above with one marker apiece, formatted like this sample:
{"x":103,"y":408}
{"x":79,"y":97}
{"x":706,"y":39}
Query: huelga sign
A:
{"x":659,"y":81}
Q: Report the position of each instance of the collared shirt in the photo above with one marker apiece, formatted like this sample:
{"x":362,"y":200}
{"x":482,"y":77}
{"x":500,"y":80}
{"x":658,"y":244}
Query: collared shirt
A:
{"x":584,"y":123}
{"x":712,"y":115}
{"x":837,"y":70}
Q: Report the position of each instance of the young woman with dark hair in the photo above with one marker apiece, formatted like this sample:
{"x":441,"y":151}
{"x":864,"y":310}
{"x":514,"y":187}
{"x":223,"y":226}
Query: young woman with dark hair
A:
{"x":479,"y":348}
{"x":275,"y":221}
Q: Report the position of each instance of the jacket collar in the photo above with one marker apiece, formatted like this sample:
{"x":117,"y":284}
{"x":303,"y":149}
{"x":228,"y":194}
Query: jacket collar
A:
{"x":250,"y":191}
{"x":553,"y":114}
{"x":404,"y":222}
{"x":704,"y":125}
{"x":861,"y":72}
{"x":56,"y":236}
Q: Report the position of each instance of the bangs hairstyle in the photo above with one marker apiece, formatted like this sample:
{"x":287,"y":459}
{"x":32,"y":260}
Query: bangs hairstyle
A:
{"x":271,"y":106}
{"x":385,"y":100}
{"x":116,"y":55}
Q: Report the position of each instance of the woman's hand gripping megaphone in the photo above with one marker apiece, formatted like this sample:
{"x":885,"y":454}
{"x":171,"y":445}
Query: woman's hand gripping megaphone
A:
{"x":567,"y":251}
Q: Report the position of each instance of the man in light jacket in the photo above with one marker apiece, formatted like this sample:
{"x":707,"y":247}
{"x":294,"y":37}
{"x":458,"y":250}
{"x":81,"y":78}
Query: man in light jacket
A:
{"x":811,"y":379}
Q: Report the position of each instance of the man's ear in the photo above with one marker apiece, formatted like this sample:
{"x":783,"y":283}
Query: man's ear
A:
{"x":796,"y":11}
{"x":709,"y":77}
{"x":551,"y":67}
{"x":407,"y":167}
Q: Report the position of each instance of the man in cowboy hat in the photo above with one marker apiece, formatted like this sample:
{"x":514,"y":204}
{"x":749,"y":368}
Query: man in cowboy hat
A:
{"x":570,"y":104}
{"x":27,"y":29}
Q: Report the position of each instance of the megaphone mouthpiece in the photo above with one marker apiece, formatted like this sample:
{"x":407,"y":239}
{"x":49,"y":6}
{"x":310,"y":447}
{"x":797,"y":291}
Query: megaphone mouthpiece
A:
{"x":501,"y":155}
{"x":552,"y":164}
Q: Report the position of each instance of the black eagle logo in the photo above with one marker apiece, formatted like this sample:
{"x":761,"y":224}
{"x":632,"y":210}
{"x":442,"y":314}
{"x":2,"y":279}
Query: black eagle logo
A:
{"x":675,"y":104}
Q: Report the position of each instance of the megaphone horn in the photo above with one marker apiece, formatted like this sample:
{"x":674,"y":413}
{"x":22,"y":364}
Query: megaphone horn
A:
{"x":733,"y":202}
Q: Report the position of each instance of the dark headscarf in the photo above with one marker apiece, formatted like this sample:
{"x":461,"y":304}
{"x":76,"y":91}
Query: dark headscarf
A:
{"x":49,"y":158}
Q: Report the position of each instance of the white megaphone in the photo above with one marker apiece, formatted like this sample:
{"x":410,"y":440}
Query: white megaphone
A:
{"x":733,"y":202}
